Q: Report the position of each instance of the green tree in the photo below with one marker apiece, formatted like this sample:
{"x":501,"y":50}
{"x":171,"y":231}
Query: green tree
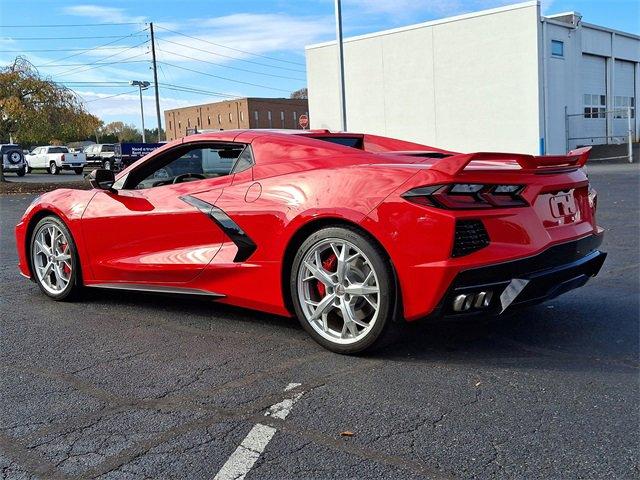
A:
{"x":121,"y":132}
{"x":36,"y":111}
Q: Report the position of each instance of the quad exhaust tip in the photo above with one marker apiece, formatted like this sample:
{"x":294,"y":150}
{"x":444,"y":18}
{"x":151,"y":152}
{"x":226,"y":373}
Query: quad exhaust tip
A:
{"x":466,"y":301}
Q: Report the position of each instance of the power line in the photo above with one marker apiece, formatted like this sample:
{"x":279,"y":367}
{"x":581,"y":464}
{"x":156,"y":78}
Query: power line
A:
{"x":80,"y":69}
{"x":230,"y":48}
{"x":85,"y":64}
{"x":59,"y":50}
{"x":233,"y":58}
{"x":73,"y":25}
{"x":230,"y":67}
{"x":186,"y":89}
{"x":222,"y":78}
{"x":69,"y":38}
{"x":94,"y":48}
{"x":111,"y":96}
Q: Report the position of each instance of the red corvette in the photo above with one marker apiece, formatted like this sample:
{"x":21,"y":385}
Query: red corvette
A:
{"x":349,"y":232}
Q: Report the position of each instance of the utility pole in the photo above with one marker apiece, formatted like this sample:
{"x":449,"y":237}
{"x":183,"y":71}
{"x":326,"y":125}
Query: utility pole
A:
{"x":155,"y":80}
{"x":343,"y":107}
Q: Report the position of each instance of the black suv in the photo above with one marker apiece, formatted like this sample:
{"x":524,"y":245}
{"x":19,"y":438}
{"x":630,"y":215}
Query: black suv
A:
{"x":13,"y":159}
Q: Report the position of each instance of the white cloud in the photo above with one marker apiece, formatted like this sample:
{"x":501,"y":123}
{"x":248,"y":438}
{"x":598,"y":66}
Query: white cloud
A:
{"x":103,"y":14}
{"x":403,"y":10}
{"x":251,"y":32}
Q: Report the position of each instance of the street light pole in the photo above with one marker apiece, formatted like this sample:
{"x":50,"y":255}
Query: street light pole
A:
{"x":142,"y":85}
{"x":343,"y":107}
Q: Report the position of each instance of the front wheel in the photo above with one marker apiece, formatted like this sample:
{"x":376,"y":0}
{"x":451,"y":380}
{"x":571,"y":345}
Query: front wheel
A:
{"x":107,"y":165}
{"x":21,"y":172}
{"x":53,"y":168}
{"x":54,"y":259}
{"x":343,"y":289}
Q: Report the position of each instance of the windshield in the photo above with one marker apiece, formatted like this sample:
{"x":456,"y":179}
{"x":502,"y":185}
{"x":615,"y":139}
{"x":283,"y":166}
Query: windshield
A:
{"x":58,"y":150}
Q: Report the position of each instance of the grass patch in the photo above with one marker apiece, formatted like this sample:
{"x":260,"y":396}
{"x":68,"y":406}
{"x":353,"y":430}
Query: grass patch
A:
{"x":21,"y":188}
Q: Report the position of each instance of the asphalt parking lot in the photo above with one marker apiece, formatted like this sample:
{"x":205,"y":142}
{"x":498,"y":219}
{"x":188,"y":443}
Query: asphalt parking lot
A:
{"x":125,"y":385}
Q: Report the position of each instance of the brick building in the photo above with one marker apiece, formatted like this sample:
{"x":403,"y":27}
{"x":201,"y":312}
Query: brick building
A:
{"x":230,"y":114}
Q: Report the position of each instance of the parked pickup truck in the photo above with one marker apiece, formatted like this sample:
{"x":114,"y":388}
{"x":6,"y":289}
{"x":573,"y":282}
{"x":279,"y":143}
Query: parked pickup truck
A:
{"x":102,"y":154}
{"x":56,"y":158}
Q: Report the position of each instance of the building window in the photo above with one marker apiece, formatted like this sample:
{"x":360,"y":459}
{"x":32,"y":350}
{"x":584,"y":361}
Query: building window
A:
{"x":219,"y":119}
{"x":594,"y":105}
{"x":179,"y":126}
{"x":188,"y":123}
{"x":230,"y":117}
{"x":256,"y":117}
{"x":198,"y":120}
{"x":295,"y":119}
{"x":208,"y":119}
{"x":169,"y":124}
{"x":557,"y":48}
{"x":282,"y":118}
{"x":269,"y":119}
{"x":242,"y":116}
{"x":622,"y":106}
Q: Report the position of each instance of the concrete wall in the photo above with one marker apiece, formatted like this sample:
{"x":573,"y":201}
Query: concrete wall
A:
{"x":467,"y":83}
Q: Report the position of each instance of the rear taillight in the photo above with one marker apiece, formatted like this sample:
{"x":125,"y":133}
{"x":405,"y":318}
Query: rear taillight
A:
{"x":460,"y":196}
{"x":62,"y":157}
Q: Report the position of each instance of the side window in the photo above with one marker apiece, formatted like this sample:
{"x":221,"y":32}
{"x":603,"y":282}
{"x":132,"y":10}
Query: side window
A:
{"x":187,"y":163}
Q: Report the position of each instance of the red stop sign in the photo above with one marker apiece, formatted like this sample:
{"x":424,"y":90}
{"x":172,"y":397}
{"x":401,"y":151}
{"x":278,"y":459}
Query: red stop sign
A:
{"x":303,"y":121}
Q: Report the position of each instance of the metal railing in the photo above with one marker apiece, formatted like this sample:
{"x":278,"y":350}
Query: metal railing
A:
{"x":609,"y":116}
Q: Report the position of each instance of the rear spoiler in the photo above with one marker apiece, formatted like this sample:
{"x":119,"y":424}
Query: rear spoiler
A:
{"x":455,"y":164}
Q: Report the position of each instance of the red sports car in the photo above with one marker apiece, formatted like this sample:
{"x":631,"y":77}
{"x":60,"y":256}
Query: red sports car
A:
{"x":349,"y":232}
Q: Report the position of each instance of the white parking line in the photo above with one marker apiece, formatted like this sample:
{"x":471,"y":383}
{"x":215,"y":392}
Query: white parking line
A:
{"x":248,"y":452}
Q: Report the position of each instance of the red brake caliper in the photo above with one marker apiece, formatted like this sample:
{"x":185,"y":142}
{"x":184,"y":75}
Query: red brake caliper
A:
{"x":330,"y":266}
{"x":63,"y":248}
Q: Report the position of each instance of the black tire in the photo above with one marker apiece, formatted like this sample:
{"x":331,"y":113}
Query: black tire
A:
{"x":53,"y":168}
{"x":107,"y":164}
{"x":29,"y":169}
{"x":21,"y":172}
{"x":74,"y":286}
{"x":79,"y":171}
{"x":386,"y":279}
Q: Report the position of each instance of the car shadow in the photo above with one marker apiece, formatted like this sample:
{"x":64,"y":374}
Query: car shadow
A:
{"x":555,"y":336}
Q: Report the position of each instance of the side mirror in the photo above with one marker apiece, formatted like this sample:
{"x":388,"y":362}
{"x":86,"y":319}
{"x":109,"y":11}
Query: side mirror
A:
{"x":102,"y":179}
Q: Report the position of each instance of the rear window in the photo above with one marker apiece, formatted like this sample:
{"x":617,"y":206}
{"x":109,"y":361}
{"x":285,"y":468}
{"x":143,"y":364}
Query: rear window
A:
{"x":58,"y":150}
{"x":108,"y":148}
{"x":353,"y":142}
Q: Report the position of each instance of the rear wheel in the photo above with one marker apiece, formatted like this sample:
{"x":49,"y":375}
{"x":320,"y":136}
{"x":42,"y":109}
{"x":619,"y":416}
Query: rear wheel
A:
{"x":342,"y":289}
{"x":53,"y":168}
{"x":78,"y":171}
{"x":54,"y":259}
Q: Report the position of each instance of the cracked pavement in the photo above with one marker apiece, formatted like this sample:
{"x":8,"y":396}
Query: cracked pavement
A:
{"x":127,"y":385}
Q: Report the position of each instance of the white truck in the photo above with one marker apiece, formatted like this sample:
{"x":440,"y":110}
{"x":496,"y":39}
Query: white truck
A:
{"x":55,"y":158}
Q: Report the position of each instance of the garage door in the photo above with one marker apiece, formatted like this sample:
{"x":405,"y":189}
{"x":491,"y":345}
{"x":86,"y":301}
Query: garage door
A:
{"x":623,"y":98}
{"x":594,"y":89}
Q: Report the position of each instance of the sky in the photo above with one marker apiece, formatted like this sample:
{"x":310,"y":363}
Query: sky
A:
{"x":217,"y":49}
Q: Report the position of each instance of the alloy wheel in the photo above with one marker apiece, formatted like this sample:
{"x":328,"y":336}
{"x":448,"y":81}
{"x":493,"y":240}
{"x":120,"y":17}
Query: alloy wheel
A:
{"x":338,"y":291}
{"x":51,"y":258}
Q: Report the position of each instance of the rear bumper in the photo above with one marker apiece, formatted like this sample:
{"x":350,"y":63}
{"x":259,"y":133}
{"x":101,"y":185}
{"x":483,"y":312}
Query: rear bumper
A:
{"x":525,"y":281}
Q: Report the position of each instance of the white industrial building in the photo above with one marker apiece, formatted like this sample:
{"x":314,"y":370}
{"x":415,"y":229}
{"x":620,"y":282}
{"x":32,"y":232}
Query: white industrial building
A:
{"x":504,"y":79}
